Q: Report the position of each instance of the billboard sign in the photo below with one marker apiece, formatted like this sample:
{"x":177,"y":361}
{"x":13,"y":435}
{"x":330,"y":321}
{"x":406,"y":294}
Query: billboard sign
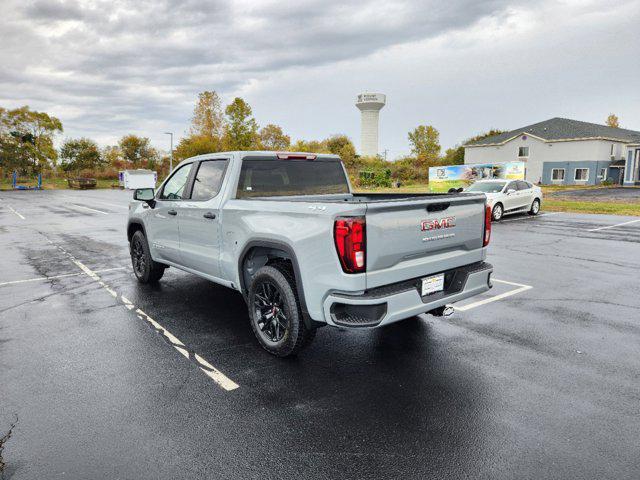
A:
{"x":443,"y":178}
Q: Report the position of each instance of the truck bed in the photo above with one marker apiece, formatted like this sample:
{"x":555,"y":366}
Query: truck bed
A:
{"x":355,"y":198}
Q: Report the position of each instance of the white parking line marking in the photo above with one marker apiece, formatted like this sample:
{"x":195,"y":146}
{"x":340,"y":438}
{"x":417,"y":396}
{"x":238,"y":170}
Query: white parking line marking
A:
{"x":40,"y":279}
{"x":521,"y":288}
{"x":510,"y":283}
{"x":101,"y":202}
{"x":613,"y":226}
{"x":91,"y":209}
{"x":216,"y":375}
{"x":13,"y":210}
{"x":530,"y":217}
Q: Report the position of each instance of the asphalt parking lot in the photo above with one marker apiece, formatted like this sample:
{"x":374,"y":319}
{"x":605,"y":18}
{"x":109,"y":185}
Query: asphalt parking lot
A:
{"x":604,"y":194}
{"x":107,"y":378}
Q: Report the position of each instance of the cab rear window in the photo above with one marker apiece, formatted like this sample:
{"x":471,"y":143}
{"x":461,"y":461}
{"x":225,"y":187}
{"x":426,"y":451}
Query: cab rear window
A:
{"x":276,"y":177}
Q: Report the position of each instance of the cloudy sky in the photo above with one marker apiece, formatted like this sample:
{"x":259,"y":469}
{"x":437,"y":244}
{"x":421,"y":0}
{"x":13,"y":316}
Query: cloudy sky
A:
{"x":110,"y":67}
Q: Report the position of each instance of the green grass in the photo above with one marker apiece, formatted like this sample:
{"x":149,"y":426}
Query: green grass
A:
{"x":55,"y":183}
{"x":608,"y":208}
{"x":417,"y":188}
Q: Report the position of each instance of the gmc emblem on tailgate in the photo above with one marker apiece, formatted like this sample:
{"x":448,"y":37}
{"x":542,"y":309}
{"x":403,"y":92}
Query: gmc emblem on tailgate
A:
{"x":438,"y":224}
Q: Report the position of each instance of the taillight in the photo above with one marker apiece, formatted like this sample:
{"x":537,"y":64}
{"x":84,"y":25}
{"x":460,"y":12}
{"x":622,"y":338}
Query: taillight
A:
{"x":487,"y":226}
{"x":349,"y":234}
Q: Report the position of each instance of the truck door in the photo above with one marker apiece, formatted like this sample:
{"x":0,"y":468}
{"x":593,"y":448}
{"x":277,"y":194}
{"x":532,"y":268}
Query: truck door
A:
{"x":199,"y":219}
{"x":162,"y":220}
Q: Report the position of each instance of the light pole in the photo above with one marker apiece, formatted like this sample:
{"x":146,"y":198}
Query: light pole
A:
{"x":170,"y":158}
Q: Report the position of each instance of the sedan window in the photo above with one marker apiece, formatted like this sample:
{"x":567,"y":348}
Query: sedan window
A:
{"x":512,"y":186}
{"x":523,"y":185}
{"x":486,"y":187}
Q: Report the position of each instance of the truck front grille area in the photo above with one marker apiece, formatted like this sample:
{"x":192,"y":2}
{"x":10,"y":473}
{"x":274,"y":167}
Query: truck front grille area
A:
{"x":358,"y":315}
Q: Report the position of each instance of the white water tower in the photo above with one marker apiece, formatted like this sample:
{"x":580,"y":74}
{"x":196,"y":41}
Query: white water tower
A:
{"x":370,"y":105}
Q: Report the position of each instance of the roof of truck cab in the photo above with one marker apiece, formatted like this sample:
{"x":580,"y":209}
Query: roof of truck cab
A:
{"x":260,"y":153}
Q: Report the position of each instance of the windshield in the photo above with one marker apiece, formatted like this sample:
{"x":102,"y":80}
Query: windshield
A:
{"x":487,"y":187}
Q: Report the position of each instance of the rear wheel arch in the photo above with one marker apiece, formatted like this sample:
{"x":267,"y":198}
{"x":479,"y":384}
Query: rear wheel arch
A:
{"x":258,"y":253}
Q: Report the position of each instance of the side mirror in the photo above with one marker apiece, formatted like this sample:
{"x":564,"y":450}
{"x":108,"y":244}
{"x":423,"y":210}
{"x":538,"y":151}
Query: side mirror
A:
{"x":510,"y":191}
{"x":144,"y":195}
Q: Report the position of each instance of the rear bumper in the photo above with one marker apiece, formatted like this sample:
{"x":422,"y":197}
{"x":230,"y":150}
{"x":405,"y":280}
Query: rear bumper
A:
{"x":391,"y":303}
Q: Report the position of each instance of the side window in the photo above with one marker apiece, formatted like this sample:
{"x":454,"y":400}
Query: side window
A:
{"x":175,"y":186}
{"x":209,"y":179}
{"x":511,"y":186}
{"x":523,"y":185}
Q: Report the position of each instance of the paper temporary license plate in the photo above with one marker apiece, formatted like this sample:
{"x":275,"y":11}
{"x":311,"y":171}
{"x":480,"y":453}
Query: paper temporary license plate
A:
{"x":432,"y":284}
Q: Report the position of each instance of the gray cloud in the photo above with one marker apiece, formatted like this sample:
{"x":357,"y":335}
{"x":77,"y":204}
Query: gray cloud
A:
{"x":108,"y":67}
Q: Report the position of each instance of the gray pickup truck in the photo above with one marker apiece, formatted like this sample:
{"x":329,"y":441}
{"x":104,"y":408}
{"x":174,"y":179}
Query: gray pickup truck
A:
{"x":286,"y":231}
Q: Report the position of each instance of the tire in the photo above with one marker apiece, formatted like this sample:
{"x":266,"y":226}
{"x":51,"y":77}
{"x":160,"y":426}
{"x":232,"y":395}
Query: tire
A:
{"x":497,"y":213}
{"x":535,"y":207}
{"x":145,"y":269}
{"x":274,"y":312}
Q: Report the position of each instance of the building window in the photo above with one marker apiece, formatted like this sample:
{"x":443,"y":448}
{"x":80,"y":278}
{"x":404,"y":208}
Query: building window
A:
{"x":523,"y":151}
{"x":557,"y":174}
{"x":613,"y":153}
{"x":603,"y":173}
{"x":581,"y":175}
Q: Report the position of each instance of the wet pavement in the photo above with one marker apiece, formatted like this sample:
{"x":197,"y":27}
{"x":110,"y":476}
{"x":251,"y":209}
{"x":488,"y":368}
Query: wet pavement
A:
{"x":604,"y":194}
{"x":536,"y":382}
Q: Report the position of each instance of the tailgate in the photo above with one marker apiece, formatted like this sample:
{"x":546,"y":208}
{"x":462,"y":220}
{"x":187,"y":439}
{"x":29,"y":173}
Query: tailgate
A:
{"x":413,"y":238}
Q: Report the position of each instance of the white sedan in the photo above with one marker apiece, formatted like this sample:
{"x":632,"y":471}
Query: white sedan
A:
{"x":509,"y":196}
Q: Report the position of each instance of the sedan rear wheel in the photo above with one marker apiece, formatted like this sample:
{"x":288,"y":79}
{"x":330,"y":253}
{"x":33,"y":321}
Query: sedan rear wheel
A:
{"x":535,"y":207}
{"x":497,"y":212}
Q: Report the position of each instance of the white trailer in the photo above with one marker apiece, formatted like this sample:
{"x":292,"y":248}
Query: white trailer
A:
{"x":140,"y":178}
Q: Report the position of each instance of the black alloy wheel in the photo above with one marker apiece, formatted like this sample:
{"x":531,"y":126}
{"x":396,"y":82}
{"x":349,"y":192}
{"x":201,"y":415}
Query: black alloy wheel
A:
{"x":270,"y":311}
{"x":138,"y":258}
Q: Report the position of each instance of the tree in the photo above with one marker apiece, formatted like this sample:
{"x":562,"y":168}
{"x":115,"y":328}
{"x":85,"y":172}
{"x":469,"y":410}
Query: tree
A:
{"x":241,"y":131}
{"x":26,"y":139}
{"x":311,"y":146}
{"x":272,"y":138}
{"x":136,"y":151}
{"x":207,"y":120}
{"x":112,"y":156}
{"x":336,"y":143}
{"x":197,"y":145}
{"x":342,"y":146}
{"x":454,"y":156}
{"x":425,"y":143}
{"x":612,"y":121}
{"x":80,"y":154}
{"x":482,"y":136}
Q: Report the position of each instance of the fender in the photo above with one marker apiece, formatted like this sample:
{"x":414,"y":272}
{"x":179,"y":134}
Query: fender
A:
{"x":135,"y":221}
{"x":296,"y":269}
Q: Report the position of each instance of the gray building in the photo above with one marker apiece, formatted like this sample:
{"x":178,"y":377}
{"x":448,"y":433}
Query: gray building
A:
{"x":564,"y":151}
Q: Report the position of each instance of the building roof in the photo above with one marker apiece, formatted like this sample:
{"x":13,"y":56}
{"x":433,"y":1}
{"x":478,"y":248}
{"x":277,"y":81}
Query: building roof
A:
{"x":562,"y":129}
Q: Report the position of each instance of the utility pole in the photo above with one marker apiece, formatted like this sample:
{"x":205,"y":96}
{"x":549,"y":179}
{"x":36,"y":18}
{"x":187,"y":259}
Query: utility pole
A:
{"x":171,"y":157}
{"x":385,"y":154}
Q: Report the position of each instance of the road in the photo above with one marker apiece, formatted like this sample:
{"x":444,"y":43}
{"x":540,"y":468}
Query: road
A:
{"x":112,"y":379}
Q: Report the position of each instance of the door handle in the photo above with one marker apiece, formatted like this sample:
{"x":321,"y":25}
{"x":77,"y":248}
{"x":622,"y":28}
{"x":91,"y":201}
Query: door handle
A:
{"x":172,"y":212}
{"x":209,"y":215}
